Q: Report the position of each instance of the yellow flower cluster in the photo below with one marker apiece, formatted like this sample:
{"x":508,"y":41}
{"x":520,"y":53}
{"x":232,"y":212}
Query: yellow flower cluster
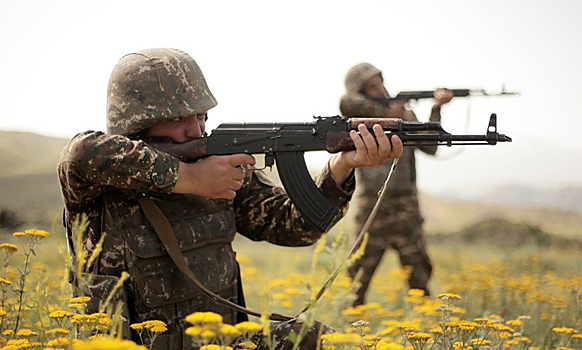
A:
{"x":564,"y":330}
{"x":26,"y":333}
{"x":8,"y":247}
{"x":419,"y":337}
{"x":60,"y":314}
{"x":57,"y":331}
{"x":480,"y":342}
{"x":155,"y":326}
{"x":108,"y":344}
{"x":207,"y":329}
{"x":18,"y":344}
{"x":80,"y":300}
{"x":34,"y":233}
{"x":204,"y":318}
{"x":215,"y":347}
{"x":59,"y":342}
{"x":459,"y":345}
{"x":339,"y":340}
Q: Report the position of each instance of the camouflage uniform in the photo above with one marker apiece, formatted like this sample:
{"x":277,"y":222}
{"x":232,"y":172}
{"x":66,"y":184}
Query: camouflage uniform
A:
{"x":398,"y":223}
{"x":103,"y":174}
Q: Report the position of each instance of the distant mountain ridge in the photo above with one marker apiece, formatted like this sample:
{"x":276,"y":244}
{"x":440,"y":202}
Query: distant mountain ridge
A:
{"x":25,"y":153}
{"x":564,"y":198}
{"x":28,"y":176}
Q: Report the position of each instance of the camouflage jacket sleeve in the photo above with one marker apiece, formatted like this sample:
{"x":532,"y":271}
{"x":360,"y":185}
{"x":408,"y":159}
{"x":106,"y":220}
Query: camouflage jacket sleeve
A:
{"x":265,"y":212}
{"x":92,"y":162}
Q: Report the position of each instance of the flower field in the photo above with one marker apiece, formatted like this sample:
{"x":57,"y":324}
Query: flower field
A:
{"x":515,"y":298}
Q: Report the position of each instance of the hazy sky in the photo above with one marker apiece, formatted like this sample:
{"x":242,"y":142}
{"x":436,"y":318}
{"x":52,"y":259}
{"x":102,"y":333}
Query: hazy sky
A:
{"x":275,"y":61}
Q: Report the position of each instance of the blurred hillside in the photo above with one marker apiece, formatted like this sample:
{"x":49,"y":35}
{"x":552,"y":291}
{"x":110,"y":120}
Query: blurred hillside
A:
{"x":566,"y":198}
{"x":28,"y":181}
{"x":29,"y":189}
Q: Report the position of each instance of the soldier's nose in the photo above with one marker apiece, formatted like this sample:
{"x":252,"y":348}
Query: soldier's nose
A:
{"x":193,"y":128}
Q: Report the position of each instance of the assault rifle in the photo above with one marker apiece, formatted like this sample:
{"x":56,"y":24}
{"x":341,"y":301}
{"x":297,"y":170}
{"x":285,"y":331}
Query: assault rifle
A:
{"x":422,"y":94}
{"x":285,"y":143}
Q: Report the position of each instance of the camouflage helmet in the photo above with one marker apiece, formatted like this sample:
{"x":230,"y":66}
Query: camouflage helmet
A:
{"x":152,"y":86}
{"x":357,"y":76}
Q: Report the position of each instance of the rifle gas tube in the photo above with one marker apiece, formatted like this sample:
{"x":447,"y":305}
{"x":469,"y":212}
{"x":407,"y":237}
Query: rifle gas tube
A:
{"x":285,"y":143}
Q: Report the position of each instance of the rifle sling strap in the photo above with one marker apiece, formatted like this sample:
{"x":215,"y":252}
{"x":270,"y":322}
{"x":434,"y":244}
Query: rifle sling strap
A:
{"x":166,"y":234}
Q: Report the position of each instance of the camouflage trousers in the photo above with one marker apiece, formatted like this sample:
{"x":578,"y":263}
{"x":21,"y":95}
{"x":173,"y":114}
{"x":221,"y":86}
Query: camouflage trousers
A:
{"x":405,"y":235}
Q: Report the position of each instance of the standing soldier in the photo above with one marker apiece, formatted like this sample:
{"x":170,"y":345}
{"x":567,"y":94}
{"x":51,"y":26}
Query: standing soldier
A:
{"x":116,"y":179}
{"x":399,"y":223}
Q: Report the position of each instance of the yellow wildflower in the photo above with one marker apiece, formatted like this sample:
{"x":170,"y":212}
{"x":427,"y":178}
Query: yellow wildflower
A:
{"x":60,"y":314}
{"x":419,"y":337}
{"x":449,"y":296}
{"x":564,"y":330}
{"x":8,"y":247}
{"x":37,"y":233}
{"x":204,"y":318}
{"x":215,"y":347}
{"x":415,"y":292}
{"x":80,"y":300}
{"x":8,"y":332}
{"x":292,"y":291}
{"x":247,"y":345}
{"x":248,"y":327}
{"x":137,"y":326}
{"x":3,"y":313}
{"x":78,"y":319}
{"x":158,"y":329}
{"x":516,"y":323}
{"x":155,"y":326}
{"x":20,"y":343}
{"x":340,"y":339}
{"x":59,"y":342}
{"x":437,"y":331}
{"x":26,"y":333}
{"x":108,"y":344}
{"x":207,"y":334}
{"x":480,"y":341}
{"x":59,"y":331}
{"x":77,"y":306}
{"x":383,"y":345}
{"x":18,"y":234}
{"x":194,"y":331}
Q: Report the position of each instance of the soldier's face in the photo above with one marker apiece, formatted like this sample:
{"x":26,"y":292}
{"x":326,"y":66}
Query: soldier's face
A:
{"x":183,"y":130}
{"x":374,"y":87}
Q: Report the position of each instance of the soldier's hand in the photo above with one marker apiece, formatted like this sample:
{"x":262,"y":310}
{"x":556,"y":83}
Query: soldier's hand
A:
{"x":369,"y":152}
{"x":216,"y":177}
{"x":442,"y":96}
